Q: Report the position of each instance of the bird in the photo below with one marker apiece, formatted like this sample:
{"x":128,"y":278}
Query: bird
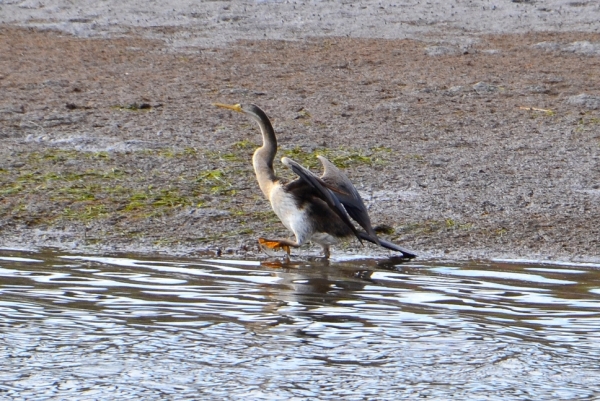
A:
{"x":313,"y":208}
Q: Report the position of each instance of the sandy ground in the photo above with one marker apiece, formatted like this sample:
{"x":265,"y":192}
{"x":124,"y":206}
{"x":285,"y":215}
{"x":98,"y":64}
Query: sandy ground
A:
{"x":472,"y":129}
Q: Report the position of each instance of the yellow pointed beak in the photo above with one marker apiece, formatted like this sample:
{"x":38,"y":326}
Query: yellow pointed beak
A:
{"x":234,"y":107}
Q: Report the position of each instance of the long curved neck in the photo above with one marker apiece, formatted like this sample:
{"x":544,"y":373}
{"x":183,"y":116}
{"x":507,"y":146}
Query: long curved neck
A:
{"x":264,"y":156}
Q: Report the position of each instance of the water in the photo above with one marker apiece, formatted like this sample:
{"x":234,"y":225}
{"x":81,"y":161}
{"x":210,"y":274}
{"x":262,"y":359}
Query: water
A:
{"x":76,"y":327}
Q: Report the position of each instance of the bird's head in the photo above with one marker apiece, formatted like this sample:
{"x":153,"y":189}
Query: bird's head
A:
{"x":249,"y":109}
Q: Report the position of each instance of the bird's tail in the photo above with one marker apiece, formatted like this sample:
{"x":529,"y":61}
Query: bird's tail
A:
{"x":389,"y":245}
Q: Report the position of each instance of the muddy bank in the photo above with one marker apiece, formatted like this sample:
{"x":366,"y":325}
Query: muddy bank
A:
{"x":490,"y":150}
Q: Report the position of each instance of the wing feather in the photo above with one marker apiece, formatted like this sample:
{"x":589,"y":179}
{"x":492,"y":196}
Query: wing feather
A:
{"x":347,"y":195}
{"x":321,"y":187}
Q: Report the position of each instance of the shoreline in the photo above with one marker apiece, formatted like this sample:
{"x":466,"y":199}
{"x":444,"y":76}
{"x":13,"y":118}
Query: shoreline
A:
{"x":478,"y":150}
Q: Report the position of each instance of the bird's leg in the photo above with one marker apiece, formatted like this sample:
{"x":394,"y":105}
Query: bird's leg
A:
{"x":326,"y":252}
{"x":322,"y":259}
{"x":277,"y":244}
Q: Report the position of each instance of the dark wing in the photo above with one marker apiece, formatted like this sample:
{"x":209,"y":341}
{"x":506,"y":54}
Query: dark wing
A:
{"x":347,"y":195}
{"x":321,"y":188}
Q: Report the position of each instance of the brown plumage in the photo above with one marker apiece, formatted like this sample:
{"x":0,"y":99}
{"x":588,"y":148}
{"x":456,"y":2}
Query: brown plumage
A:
{"x":313,"y":208}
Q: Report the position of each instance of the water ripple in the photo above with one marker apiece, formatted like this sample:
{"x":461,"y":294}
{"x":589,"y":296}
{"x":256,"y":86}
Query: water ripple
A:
{"x":88,"y":327}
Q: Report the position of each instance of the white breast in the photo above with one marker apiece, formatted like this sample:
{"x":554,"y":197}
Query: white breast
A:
{"x":293,"y":218}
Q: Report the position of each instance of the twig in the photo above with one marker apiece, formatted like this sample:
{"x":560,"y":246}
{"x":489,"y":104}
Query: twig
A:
{"x":535,"y":109}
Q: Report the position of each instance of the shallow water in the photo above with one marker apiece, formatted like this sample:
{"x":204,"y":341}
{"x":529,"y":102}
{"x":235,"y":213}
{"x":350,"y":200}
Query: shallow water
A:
{"x":86,"y":327}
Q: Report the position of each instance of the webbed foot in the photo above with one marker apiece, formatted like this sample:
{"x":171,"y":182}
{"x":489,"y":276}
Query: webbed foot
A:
{"x":277,"y":244}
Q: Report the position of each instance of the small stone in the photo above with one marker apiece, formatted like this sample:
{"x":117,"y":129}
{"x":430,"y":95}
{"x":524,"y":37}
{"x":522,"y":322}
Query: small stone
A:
{"x":548,"y":46}
{"x":583,"y":47}
{"x":585,"y":101}
{"x":483,"y":88}
{"x":440,"y":51}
